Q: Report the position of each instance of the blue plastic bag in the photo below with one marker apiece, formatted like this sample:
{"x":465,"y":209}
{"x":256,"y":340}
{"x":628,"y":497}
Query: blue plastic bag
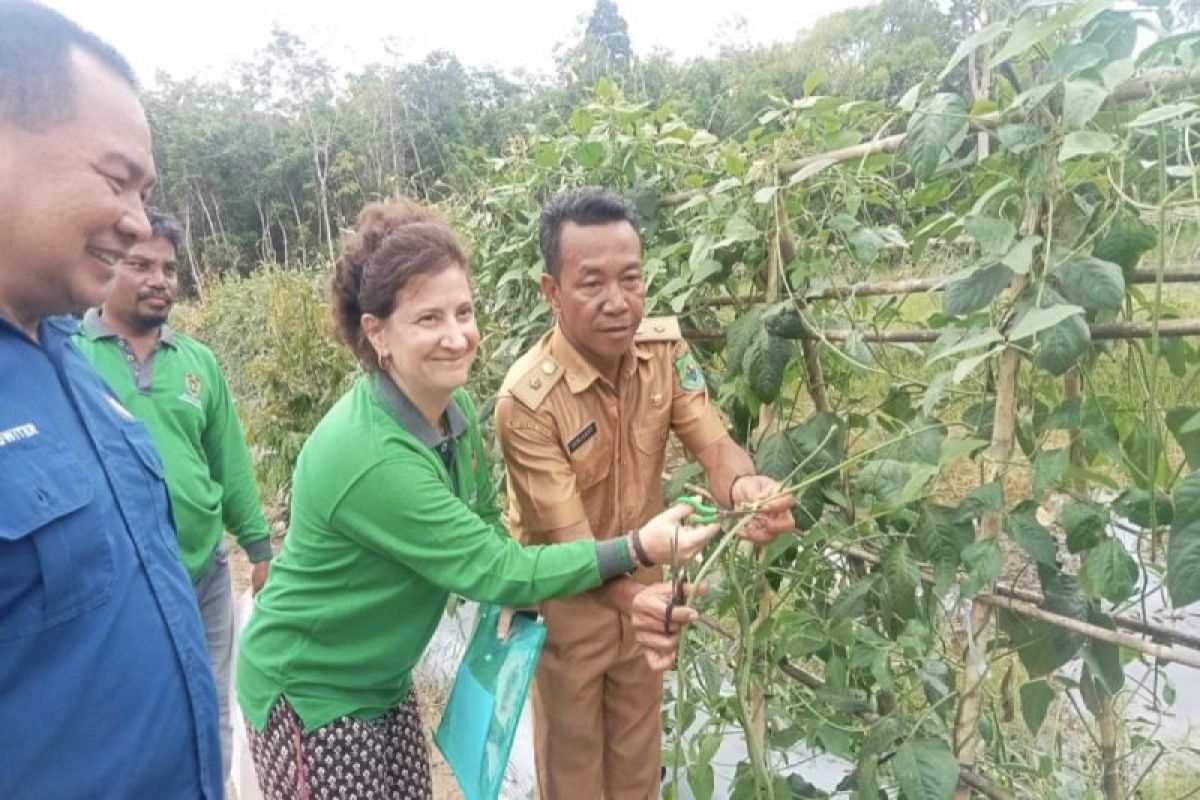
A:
{"x":480,"y":721}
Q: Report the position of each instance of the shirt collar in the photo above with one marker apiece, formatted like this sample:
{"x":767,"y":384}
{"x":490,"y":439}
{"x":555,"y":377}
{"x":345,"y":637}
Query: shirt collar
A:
{"x":94,"y":327}
{"x":579,"y":372}
{"x":405,"y":413}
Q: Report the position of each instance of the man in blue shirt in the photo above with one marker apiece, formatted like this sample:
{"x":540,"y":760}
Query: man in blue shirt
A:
{"x":105,"y":688}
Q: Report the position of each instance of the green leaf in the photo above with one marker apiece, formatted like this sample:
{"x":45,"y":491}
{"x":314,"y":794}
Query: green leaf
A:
{"x":775,"y":457}
{"x":741,"y":333}
{"x":1108,"y":572}
{"x":926,"y":769}
{"x":1124,"y":241}
{"x":1183,"y":549}
{"x":1028,"y":32}
{"x":886,"y":479}
{"x":1043,"y":648}
{"x":1115,"y":31}
{"x":798,"y":633}
{"x":1072,"y":59}
{"x":972,"y":43}
{"x":674,"y":486}
{"x":983,"y":562}
{"x":1019,"y":258}
{"x":1086,"y":143}
{"x":590,"y":154}
{"x":956,"y":340}
{"x":985,"y":497}
{"x":809,"y":170}
{"x":1021,"y":137}
{"x":1061,"y":346}
{"x":1023,"y":528}
{"x":1163,"y":113}
{"x":1039,"y":319}
{"x":819,"y":442}
{"x":702,"y":780}
{"x":1134,"y":504}
{"x":1085,"y":523}
{"x":934,"y":131}
{"x":901,"y":576}
{"x":1081,"y":100}
{"x":1036,"y":697}
{"x":1092,"y":283}
{"x":1180,"y":422}
{"x":739,"y":229}
{"x":974,"y":288}
{"x":995,"y":235}
{"x":764,"y":364}
{"x":1049,"y":467}
{"x":765,"y":194}
{"x":581,"y":121}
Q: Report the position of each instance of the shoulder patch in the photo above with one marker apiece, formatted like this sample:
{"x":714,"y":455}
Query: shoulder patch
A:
{"x":533,"y":385}
{"x":691,"y":379}
{"x":658,"y":329}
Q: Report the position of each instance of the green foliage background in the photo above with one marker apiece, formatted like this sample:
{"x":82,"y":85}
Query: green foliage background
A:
{"x":1034,"y":207}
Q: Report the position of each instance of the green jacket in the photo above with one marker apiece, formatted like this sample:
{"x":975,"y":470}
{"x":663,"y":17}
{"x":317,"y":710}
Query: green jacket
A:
{"x":382,"y":531}
{"x":181,"y":396}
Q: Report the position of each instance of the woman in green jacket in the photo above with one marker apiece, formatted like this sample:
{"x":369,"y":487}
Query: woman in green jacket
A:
{"x":393,"y":508}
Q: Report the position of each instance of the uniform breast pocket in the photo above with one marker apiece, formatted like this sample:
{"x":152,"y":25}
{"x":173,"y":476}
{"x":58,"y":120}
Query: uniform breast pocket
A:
{"x":591,"y":452}
{"x":56,"y":559}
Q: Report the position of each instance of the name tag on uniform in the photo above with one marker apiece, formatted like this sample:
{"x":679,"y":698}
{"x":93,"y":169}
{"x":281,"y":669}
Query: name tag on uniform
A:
{"x":577,"y":441}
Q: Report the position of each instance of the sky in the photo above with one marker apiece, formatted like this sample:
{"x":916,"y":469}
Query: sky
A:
{"x":204,"y":38}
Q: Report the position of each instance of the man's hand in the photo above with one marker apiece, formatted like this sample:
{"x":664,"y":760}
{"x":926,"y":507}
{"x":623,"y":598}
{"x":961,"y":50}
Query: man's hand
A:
{"x":649,"y":614}
{"x":258,"y":575}
{"x":774,"y":518}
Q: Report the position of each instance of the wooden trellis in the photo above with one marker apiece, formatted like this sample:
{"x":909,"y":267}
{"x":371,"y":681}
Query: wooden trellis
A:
{"x":1147,"y":637}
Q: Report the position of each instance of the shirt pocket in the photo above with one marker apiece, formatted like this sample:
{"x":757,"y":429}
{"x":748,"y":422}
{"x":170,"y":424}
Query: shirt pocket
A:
{"x":650,"y":445}
{"x":590,"y":452}
{"x":56,"y":558}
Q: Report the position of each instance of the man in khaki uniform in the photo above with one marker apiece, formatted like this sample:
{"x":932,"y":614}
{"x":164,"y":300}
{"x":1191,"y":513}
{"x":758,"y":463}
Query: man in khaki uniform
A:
{"x":583,"y":419}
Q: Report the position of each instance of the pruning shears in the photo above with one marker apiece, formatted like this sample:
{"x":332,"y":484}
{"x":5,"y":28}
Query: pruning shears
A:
{"x":703,"y":514}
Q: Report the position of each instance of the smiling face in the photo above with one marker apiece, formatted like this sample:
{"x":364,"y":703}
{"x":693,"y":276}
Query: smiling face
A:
{"x":599,"y":293}
{"x":431,"y":336}
{"x":71,"y":197}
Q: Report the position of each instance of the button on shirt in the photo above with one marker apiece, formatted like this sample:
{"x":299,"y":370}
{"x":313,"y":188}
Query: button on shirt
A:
{"x":105,"y":687}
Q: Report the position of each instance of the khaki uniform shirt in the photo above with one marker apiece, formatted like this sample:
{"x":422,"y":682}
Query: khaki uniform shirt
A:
{"x":579,"y":448}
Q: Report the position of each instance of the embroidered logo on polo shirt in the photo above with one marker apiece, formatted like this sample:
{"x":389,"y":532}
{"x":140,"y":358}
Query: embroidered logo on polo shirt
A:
{"x":192,"y":381}
{"x":18,"y":433}
{"x":578,"y":440}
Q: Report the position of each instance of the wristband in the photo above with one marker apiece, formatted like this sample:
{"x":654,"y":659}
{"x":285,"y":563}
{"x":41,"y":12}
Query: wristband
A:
{"x":733,"y":483}
{"x":643,"y":558}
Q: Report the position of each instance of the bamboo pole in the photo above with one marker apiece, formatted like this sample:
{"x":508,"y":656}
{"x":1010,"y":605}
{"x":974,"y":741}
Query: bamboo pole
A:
{"x":1101,"y":331}
{"x":1112,"y":780}
{"x":1027,"y":604}
{"x":907,"y":286}
{"x":991,"y":527}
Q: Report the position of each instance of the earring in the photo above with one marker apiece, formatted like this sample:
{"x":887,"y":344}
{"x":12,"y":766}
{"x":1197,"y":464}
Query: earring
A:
{"x":384,"y":359}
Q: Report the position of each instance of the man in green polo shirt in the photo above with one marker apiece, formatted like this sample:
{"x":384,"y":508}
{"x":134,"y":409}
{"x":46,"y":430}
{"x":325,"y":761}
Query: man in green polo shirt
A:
{"x":175,"y":387}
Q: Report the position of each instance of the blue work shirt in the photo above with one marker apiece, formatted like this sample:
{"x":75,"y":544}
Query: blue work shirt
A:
{"x":105,"y":686}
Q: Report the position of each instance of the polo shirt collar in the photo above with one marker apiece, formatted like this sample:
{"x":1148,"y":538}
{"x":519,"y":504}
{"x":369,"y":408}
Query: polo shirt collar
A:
{"x":579,"y":372}
{"x":405,"y":413}
{"x":94,"y":327}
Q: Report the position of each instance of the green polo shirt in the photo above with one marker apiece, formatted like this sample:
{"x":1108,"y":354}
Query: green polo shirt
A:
{"x":181,"y":395}
{"x":381,"y":533}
